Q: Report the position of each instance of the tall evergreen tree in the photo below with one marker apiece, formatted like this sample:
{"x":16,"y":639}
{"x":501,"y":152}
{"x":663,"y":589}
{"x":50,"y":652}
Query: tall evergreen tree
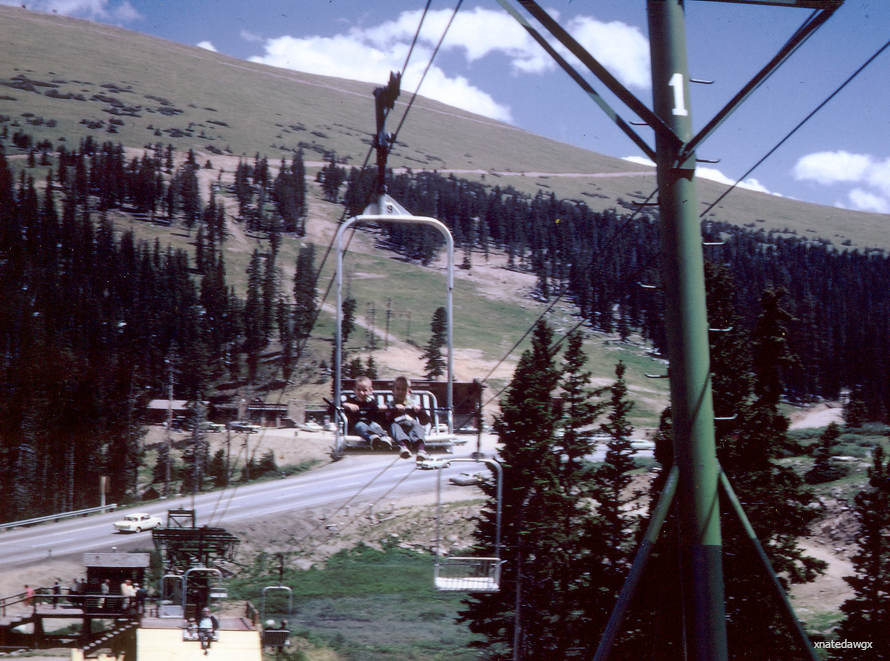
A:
{"x":611,"y":481}
{"x":432,"y":354}
{"x":253,"y":309}
{"x":823,"y":470}
{"x":305,"y":295}
{"x":525,"y":431}
{"x":774,"y":497}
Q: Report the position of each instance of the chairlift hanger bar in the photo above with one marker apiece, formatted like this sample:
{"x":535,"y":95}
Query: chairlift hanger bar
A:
{"x":574,"y":75}
{"x":619,"y":90}
{"x":802,"y":34}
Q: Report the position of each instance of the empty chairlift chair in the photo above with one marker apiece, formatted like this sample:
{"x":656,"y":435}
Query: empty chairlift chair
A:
{"x":469,"y":573}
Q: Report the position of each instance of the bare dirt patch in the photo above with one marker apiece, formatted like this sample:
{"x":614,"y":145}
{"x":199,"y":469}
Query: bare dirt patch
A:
{"x":816,"y":416}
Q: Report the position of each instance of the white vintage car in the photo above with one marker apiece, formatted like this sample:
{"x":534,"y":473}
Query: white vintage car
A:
{"x":137,"y":522}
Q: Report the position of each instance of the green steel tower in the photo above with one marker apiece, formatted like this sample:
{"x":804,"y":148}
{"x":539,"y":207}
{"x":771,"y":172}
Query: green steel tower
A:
{"x":687,"y":334}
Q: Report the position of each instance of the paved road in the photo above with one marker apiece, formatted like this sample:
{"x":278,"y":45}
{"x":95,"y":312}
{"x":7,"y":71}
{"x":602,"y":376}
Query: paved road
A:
{"x":355,"y":480}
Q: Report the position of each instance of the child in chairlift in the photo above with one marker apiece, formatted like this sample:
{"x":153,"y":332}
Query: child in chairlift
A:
{"x":364,"y":416}
{"x":407,"y":420}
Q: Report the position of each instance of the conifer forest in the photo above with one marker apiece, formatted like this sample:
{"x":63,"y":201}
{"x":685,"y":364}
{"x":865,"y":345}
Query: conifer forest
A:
{"x":94,"y":322}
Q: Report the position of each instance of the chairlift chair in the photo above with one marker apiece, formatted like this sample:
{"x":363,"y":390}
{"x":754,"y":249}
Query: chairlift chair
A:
{"x":469,"y":573}
{"x":209,"y":573}
{"x":172,"y":589}
{"x":276,"y":636}
{"x":387,"y":210}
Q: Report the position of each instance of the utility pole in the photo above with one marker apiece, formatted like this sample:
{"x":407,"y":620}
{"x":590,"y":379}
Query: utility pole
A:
{"x":388,"y":317}
{"x":687,"y":334}
{"x":372,"y":336}
{"x":169,"y":428}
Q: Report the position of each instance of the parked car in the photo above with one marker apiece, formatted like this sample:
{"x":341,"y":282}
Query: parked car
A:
{"x":433,"y":464}
{"x":467,"y":479}
{"x":137,"y":522}
{"x":244,"y":426}
{"x":211,"y":427}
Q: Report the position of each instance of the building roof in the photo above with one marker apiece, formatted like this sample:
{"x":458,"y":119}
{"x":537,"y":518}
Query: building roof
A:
{"x":164,"y":404}
{"x":116,"y":560}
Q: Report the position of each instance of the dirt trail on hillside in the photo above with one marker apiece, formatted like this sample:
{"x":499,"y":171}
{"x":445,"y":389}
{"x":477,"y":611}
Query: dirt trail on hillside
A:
{"x":817,"y":416}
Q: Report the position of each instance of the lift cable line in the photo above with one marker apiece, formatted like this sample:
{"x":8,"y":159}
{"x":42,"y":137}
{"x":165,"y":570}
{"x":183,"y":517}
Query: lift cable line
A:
{"x":698,"y":472}
{"x":426,"y":69}
{"x":393,"y":93}
{"x":799,"y":125}
{"x":416,"y":35}
{"x":578,"y":78}
{"x":804,"y":32}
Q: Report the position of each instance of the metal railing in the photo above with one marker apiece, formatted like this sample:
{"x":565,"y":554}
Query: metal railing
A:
{"x":55,"y":517}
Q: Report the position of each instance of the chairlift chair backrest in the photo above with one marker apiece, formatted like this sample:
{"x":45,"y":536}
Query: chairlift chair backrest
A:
{"x":277,"y":588}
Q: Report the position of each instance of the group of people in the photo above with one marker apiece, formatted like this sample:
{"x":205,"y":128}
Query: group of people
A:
{"x":133,"y":596}
{"x":401,"y":421}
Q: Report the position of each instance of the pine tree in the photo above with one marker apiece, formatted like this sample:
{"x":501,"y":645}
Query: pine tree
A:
{"x":868,"y":611}
{"x":217,"y":470}
{"x":331,"y":177}
{"x":305,"y":295}
{"x":611,"y":481}
{"x":432,"y":354}
{"x":823,"y":470}
{"x":286,"y":339}
{"x":525,"y":431}
{"x":773,"y":494}
{"x":253,"y":308}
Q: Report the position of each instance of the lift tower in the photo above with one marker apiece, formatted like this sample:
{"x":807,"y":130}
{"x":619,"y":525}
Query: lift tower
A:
{"x":696,"y":476}
{"x":687,"y":339}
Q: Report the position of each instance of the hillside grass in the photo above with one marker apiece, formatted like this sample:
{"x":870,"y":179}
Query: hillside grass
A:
{"x":368,"y":604}
{"x":242,"y":108}
{"x":191,"y":98}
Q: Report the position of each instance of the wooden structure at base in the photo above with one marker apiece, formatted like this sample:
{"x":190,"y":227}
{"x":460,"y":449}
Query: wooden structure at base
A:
{"x":237,"y":639}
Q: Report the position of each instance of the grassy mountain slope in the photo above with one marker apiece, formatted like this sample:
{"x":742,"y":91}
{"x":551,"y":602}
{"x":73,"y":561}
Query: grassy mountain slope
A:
{"x":68,"y":78}
{"x":197,"y":98}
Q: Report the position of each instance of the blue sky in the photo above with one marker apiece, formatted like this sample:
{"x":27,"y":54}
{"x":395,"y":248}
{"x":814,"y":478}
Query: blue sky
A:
{"x":489,"y":65}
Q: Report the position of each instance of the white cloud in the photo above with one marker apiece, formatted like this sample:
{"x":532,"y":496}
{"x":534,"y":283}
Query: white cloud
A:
{"x":122,"y":12}
{"x":870,"y":176}
{"x":828,"y":167}
{"x":207,"y":45}
{"x":865,"y":201}
{"x":247,"y":35}
{"x":353,"y":56}
{"x":370,"y":53}
{"x":716,"y":175}
{"x":712,"y":174}
{"x":639,"y":160}
{"x":620,"y":48}
{"x":878,"y":175}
